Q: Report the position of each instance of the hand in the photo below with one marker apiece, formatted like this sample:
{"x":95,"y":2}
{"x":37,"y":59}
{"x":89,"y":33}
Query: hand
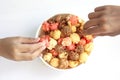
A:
{"x":105,"y":21}
{"x":21,"y":48}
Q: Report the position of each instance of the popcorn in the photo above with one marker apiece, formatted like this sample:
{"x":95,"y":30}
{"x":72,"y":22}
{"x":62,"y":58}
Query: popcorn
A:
{"x":73,"y":20}
{"x":47,"y":57}
{"x":52,"y":44}
{"x":75,"y":37}
{"x":89,"y":37}
{"x":66,"y":41}
{"x":83,"y":57}
{"x":89,"y":47}
{"x":63,"y":55}
{"x":54,"y":62}
{"x":71,"y":47}
{"x":45,"y":26}
{"x":63,"y":64}
{"x":55,"y":34}
{"x":53,"y":26}
{"x":73,"y":28}
{"x":81,"y":23}
{"x":67,"y":46}
{"x":46,"y":39}
{"x":54,"y":53}
{"x":73,"y":64}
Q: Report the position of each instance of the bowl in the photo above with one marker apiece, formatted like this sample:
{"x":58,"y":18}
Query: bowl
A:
{"x":76,"y":55}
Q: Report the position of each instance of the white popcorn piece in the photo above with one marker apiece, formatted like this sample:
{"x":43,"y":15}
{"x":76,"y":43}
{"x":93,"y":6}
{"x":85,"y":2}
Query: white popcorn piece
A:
{"x":47,"y":57}
{"x":63,"y":55}
{"x":52,"y":44}
{"x":66,"y":41}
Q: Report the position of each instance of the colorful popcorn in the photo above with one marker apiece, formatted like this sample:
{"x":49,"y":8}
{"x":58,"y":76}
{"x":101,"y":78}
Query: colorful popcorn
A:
{"x":67,"y":46}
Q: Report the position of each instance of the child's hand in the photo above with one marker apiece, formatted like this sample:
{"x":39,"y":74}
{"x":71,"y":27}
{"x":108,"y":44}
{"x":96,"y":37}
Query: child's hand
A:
{"x":21,"y":48}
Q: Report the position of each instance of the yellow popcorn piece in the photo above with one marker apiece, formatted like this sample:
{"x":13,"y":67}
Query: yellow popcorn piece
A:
{"x":55,"y":34}
{"x":81,"y":21}
{"x":54,"y":62}
{"x":69,"y":23}
{"x":73,"y":64}
{"x":89,"y":37}
{"x":47,"y":57}
{"x":63,"y":55}
{"x":89,"y":48}
{"x":52,"y":44}
{"x":75,"y":37}
{"x":83,"y":57}
{"x":73,"y":28}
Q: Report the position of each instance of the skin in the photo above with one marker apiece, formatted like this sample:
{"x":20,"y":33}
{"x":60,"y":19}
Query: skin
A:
{"x":104,"y":21}
{"x":21,"y":48}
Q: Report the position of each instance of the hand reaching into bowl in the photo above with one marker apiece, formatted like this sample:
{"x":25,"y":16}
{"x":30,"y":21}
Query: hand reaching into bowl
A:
{"x":21,"y":48}
{"x":104,"y":21}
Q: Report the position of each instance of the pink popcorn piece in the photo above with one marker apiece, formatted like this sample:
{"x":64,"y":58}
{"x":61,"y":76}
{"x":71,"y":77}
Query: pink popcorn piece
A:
{"x":66,"y":41}
{"x":60,"y":41}
{"x":54,"y":53}
{"x":71,"y":47}
{"x":45,"y":26}
{"x":45,"y":38}
{"x":53,"y":26}
{"x":73,"y":20}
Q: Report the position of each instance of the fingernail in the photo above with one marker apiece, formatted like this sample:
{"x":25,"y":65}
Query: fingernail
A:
{"x":42,"y":48}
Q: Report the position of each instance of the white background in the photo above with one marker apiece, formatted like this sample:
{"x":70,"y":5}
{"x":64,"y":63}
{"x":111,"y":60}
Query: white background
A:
{"x":23,"y":17}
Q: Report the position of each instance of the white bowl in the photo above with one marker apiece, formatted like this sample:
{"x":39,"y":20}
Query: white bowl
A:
{"x":37,"y":35}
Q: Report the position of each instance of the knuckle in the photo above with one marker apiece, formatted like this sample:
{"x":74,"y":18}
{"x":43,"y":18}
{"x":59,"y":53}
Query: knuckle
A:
{"x":105,"y":28}
{"x":103,"y":19}
{"x":14,"y":50}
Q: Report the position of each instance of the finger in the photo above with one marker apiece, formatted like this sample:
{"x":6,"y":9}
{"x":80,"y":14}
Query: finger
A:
{"x":101,"y":34}
{"x":26,"y":40}
{"x":93,"y":31}
{"x":105,"y":7}
{"x":90,"y":23}
{"x":31,"y":47}
{"x":30,"y":56}
{"x":100,"y":8}
{"x":95,"y":15}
